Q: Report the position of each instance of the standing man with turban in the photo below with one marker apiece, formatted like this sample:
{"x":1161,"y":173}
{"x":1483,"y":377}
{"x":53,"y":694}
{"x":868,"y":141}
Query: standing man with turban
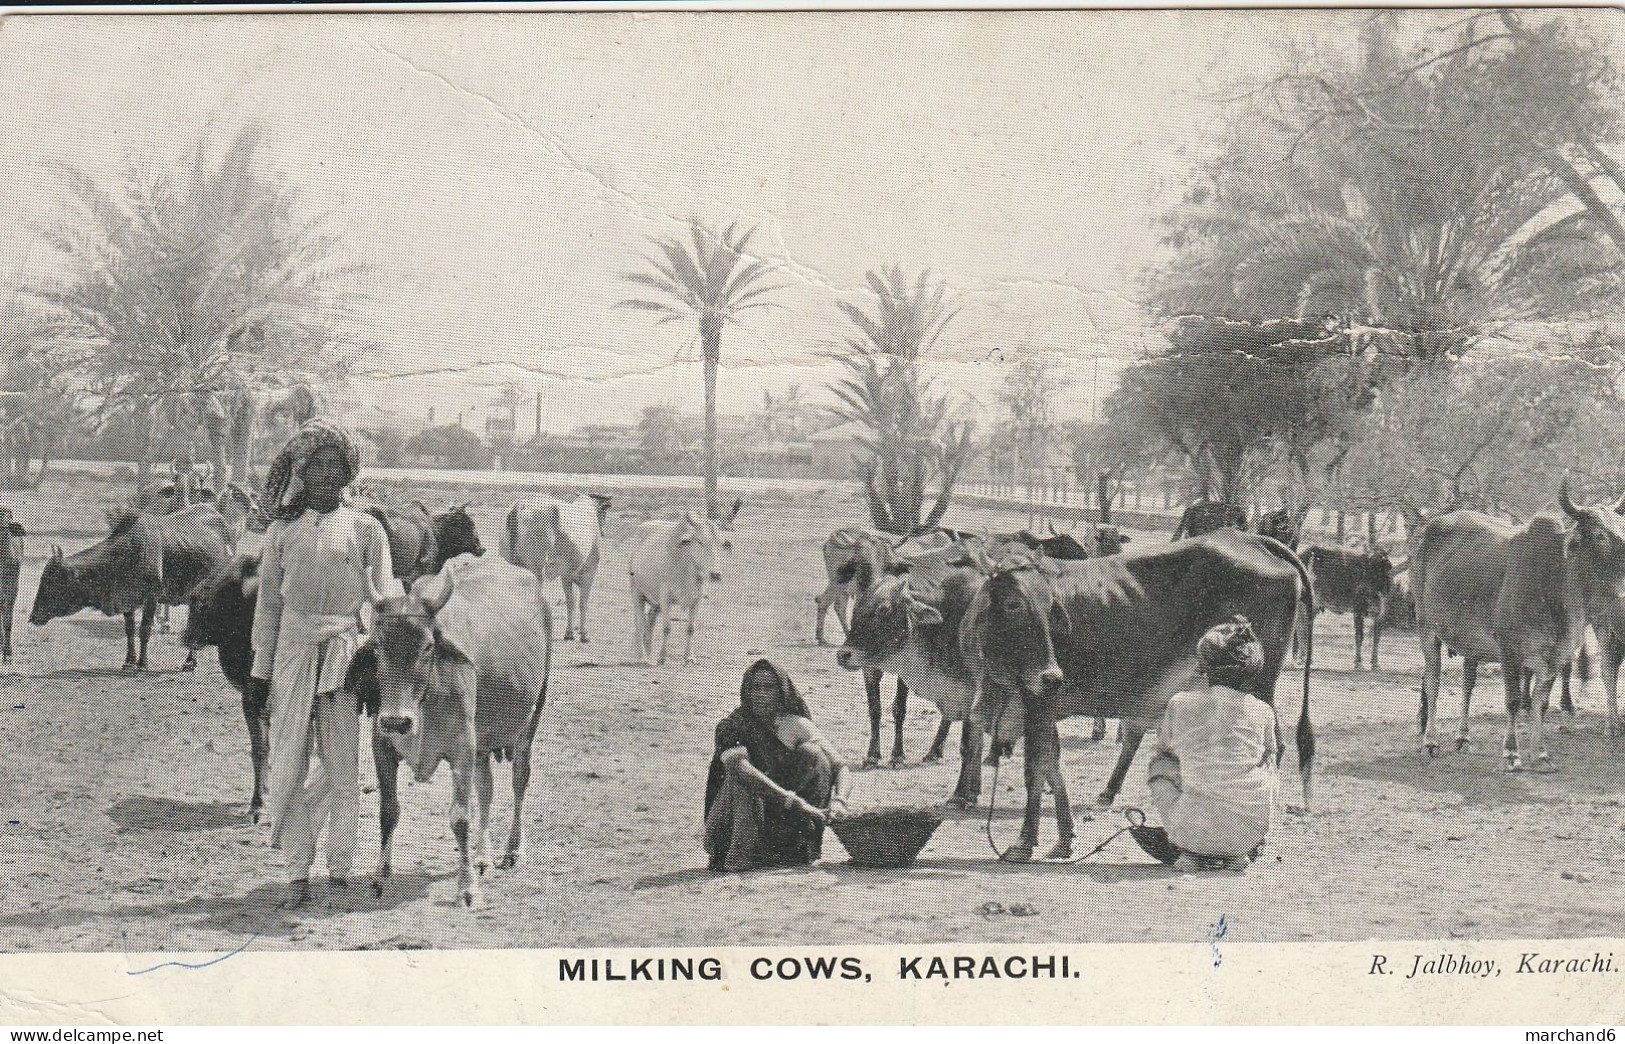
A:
{"x":1213,"y":775}
{"x":321,"y":562}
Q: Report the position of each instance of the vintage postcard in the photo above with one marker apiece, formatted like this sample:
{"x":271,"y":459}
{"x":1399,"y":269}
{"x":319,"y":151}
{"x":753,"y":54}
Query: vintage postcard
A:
{"x":933,"y":516}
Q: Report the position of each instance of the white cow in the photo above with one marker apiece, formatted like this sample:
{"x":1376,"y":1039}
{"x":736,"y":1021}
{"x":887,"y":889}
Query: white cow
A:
{"x":671,"y":563}
{"x":558,"y":539}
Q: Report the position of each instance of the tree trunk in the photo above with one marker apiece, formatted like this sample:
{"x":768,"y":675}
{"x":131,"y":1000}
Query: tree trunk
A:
{"x":711,"y":348}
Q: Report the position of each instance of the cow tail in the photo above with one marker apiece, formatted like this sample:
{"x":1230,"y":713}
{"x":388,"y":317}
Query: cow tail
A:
{"x":510,"y":536}
{"x":1305,"y":733}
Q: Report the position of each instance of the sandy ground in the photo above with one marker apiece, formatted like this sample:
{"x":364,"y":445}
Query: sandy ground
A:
{"x":123,"y":803}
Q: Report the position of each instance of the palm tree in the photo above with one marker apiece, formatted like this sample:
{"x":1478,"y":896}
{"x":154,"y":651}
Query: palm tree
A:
{"x":708,"y":278}
{"x":911,"y":437}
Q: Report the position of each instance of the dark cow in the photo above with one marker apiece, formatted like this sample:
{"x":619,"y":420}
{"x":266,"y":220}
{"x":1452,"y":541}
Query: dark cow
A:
{"x":1117,"y":637}
{"x":906,"y":623}
{"x":1284,"y":524}
{"x":1490,"y":591}
{"x":1354,"y":582}
{"x":11,"y":560}
{"x":411,"y":530}
{"x":1208,"y":516}
{"x":457,"y":672}
{"x":1109,"y":540}
{"x":454,"y":534}
{"x":148,"y":559}
{"x":223,"y":616}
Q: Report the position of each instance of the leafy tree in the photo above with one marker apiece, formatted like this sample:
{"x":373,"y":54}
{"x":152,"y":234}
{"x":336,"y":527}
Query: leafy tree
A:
{"x":449,"y":445}
{"x":187,"y":288}
{"x":709,"y":279}
{"x":911,"y":437}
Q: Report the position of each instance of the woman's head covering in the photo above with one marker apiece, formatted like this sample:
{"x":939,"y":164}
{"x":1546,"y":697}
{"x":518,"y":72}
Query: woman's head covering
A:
{"x":1230,"y":654}
{"x":284,"y":484}
{"x":790,"y":701}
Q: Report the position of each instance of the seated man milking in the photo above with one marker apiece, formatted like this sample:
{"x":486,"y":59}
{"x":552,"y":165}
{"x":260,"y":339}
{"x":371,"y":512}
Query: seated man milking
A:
{"x":1213,"y":776}
{"x":774,"y":779}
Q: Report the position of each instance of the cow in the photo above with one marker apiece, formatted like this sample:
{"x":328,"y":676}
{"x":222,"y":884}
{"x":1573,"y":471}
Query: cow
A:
{"x":454,"y":534}
{"x":222,"y":615}
{"x":1117,"y":637}
{"x":905,"y":622}
{"x":1490,"y":591}
{"x":1109,"y":540}
{"x":1354,"y":582}
{"x":1283,"y":524}
{"x":410,"y":530}
{"x":670,"y":566}
{"x":148,"y":559}
{"x":1207,"y":516}
{"x":457,"y":671}
{"x":11,"y":561}
{"x":558,"y":540}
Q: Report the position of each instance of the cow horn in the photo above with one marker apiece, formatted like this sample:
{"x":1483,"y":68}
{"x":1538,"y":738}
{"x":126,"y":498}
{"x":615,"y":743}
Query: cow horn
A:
{"x":56,"y":552}
{"x":1565,"y":503}
{"x":1619,"y":505}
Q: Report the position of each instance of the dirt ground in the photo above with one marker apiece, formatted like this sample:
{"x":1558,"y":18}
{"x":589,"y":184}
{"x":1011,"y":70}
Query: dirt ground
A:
{"x":123,"y":801}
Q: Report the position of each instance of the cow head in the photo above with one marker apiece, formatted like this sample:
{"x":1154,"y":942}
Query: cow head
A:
{"x":1010,"y":631}
{"x":884,"y":619}
{"x":1109,"y":540}
{"x":1599,"y":541}
{"x":411,"y":656}
{"x":62,"y":591}
{"x":697,"y":541}
{"x":455,"y":534}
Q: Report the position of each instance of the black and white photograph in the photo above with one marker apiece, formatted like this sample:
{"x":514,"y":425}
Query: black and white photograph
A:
{"x":661,"y":481}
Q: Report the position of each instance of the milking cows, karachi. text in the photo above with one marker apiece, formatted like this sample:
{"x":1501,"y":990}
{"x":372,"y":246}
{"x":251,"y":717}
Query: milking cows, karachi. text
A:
{"x":1421,"y":965}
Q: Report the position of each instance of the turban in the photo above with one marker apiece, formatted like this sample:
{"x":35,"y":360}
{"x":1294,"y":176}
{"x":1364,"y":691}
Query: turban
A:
{"x":284,"y":484}
{"x":1230,"y":647}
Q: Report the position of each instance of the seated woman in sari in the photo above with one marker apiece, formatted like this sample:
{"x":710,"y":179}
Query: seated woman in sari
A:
{"x":774,"y":779}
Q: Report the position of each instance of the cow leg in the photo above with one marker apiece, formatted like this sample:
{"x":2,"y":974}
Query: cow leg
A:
{"x":569,"y":611}
{"x":871,"y":690}
{"x":163,"y":619}
{"x":1359,"y":634}
{"x":899,"y":711}
{"x":147,"y":612}
{"x":1065,"y":824}
{"x":385,"y":766}
{"x":1612,"y":650}
{"x":190,"y":663}
{"x":257,"y":716}
{"x":483,"y":785}
{"x":1097,"y":731}
{"x":1512,"y":680}
{"x":665,"y":629}
{"x":583,"y":592}
{"x":968,"y":789}
{"x":821,"y":606}
{"x":935,"y":753}
{"x":1540,"y":760}
{"x":1032,"y":778}
{"x":688,"y":634}
{"x":129,"y":641}
{"x":1469,"y":678}
{"x":5,"y":634}
{"x":462,"y":783}
{"x":1377,"y":613}
{"x":521,"y":783}
{"x":1132,"y":735}
{"x":1428,"y":716}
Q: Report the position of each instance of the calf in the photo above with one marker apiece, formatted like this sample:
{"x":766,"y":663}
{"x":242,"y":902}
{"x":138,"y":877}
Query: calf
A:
{"x":671,"y":564}
{"x":11,"y":560}
{"x":1117,"y":637}
{"x":558,"y":540}
{"x":148,"y":559}
{"x":457,"y":672}
{"x":1355,"y":582}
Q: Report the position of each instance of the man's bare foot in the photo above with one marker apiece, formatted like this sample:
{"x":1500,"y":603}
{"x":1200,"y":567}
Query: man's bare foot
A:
{"x":298,"y":895}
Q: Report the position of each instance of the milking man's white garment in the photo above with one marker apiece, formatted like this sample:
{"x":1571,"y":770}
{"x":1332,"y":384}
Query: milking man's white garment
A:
{"x":316,"y":574}
{"x":1225,"y":743}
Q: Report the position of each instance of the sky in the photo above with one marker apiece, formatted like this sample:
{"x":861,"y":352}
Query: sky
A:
{"x":501,"y":173}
